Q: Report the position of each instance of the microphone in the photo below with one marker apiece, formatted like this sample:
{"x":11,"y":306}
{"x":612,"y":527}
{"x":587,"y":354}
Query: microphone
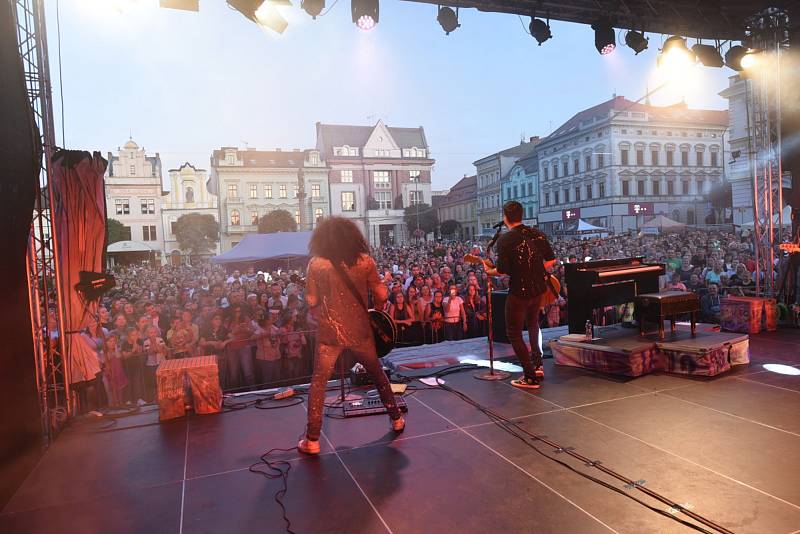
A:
{"x":498,"y":225}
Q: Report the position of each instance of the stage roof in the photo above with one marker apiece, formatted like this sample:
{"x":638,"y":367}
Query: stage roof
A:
{"x":264,"y":247}
{"x":708,"y":19}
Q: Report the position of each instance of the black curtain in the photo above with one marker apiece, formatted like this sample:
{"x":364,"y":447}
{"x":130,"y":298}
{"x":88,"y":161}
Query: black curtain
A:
{"x":20,"y":154}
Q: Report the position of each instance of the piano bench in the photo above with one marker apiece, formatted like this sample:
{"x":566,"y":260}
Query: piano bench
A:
{"x":658,"y":306}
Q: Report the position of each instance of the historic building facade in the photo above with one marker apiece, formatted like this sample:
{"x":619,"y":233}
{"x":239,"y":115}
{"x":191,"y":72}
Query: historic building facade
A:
{"x":251,"y":183}
{"x":134,"y":193}
{"x":618,"y":163}
{"x":460,"y":204}
{"x":188,"y":194}
{"x":374,"y":173}
{"x":491,"y":171}
{"x":523,"y":186}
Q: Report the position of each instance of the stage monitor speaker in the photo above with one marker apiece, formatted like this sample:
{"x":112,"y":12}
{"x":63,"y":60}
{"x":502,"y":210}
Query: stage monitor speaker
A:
{"x":93,"y":285}
{"x":499,"y":316}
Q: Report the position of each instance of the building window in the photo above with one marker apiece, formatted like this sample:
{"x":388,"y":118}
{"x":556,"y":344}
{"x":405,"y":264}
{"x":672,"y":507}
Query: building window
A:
{"x":670,"y":187}
{"x":623,"y":157}
{"x":516,"y":193}
{"x":530,"y":189}
{"x":555,"y":198}
{"x":318,"y":214}
{"x":684,"y":158}
{"x":601,"y":189}
{"x":565,"y":167}
{"x":346,"y":176}
{"x":253,"y":190}
{"x":546,"y":197}
{"x":713,"y":159}
{"x":625,"y":188}
{"x":640,"y":188}
{"x":313,"y":158}
{"x":132,"y":170}
{"x":640,"y":157}
{"x":172,"y":226}
{"x":600,"y":161}
{"x":122,"y":205}
{"x":381,"y":179}
{"x":588,"y":163}
{"x":348,"y":201}
{"x":555,"y":170}
{"x":282,"y":191}
{"x":685,"y":187}
{"x":654,"y":157}
{"x":577,"y":193}
{"x":148,"y":206}
{"x":149,"y":233}
{"x":384,"y":199}
{"x":545,"y":170}
{"x":295,"y":191}
{"x":700,"y":184}
{"x":233,"y":190}
{"x":413,"y":176}
{"x":656,"y":187}
{"x":566,"y":195}
{"x":235,"y":218}
{"x":577,"y":166}
{"x":297,"y":216}
{"x":315,"y":191}
{"x":268,"y":191}
{"x":189,"y":195}
{"x":699,"y":158}
{"x":670,"y":157}
{"x":254,"y":217}
{"x":588,"y":191}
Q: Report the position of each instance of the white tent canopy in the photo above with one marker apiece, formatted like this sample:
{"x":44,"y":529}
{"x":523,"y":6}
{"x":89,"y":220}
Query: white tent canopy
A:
{"x":787,"y":218}
{"x":584,"y":226}
{"x":129,"y":246}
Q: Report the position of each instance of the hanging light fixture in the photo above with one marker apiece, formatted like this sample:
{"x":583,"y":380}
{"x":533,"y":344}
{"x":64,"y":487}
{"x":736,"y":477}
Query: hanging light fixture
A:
{"x":540,"y":30}
{"x":313,"y":7}
{"x":364,"y":13}
{"x":448,"y":19}
{"x":605,"y":40}
{"x":636,"y":41}
{"x":708,"y":55}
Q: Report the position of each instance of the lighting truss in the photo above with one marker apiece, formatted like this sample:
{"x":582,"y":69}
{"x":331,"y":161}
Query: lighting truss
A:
{"x":44,"y":286}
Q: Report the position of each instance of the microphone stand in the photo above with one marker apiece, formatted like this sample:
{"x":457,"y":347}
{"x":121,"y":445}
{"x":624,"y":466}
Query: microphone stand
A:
{"x":491,"y":374}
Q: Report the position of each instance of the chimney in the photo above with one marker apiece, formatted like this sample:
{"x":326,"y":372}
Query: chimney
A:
{"x":534,"y":139}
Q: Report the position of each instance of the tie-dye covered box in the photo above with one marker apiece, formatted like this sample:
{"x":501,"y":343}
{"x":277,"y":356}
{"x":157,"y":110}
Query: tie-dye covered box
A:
{"x":746,"y":314}
{"x":635,"y":360}
{"x":188,"y":381}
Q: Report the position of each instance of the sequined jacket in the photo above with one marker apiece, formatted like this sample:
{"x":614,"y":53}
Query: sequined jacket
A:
{"x":342,"y":319}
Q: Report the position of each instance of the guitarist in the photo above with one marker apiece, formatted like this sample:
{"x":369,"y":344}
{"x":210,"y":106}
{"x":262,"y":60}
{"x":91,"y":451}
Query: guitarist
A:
{"x":339,"y":274}
{"x":524,"y":254}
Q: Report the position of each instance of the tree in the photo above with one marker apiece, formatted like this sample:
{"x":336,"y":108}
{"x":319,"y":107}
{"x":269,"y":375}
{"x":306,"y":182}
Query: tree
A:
{"x":277,"y":221}
{"x":196,"y":233}
{"x":425,"y":214}
{"x":116,"y":231}
{"x":450,"y":227}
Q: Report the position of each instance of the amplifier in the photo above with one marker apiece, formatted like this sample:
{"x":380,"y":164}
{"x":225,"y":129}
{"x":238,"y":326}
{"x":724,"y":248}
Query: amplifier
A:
{"x":370,"y":406}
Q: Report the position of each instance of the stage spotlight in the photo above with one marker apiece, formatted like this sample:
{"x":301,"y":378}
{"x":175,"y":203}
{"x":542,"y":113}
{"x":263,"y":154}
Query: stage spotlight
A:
{"x":448,"y":19}
{"x":604,"y":38}
{"x":313,"y":7}
{"x":733,"y":57}
{"x":781,"y":369}
{"x":749,"y":60}
{"x":263,"y":13}
{"x":636,"y":41}
{"x":708,"y":55}
{"x":540,"y":30}
{"x":365,"y":13}
{"x":674,"y":54}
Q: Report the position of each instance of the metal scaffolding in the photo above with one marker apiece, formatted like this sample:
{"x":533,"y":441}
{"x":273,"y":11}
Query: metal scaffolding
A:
{"x":768,"y":34}
{"x":46,"y":305}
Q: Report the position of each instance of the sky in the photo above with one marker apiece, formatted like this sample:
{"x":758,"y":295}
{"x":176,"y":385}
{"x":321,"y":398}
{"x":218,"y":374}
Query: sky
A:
{"x":183,"y":84}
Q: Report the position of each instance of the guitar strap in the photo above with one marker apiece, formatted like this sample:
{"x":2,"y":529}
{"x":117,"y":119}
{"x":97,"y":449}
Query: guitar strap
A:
{"x":350,"y":285}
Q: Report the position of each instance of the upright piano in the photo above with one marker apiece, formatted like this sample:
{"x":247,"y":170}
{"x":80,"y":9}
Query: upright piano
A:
{"x":594,"y":284}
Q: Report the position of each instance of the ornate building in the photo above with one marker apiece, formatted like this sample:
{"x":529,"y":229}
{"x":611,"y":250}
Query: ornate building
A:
{"x":522,"y":185}
{"x":376,"y":171}
{"x":133,"y":194}
{"x":491,"y":171}
{"x":460,"y":205}
{"x":618,"y":163}
{"x":188,"y":194}
{"x":251,"y":183}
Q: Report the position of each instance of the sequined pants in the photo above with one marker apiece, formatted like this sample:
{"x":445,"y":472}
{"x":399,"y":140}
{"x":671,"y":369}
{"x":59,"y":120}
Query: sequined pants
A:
{"x":324,"y":364}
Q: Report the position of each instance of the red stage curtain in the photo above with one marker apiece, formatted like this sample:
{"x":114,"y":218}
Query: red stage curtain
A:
{"x":79,"y":216}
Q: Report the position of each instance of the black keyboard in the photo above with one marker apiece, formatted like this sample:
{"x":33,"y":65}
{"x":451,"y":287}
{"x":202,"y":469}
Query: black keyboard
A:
{"x":370,"y":406}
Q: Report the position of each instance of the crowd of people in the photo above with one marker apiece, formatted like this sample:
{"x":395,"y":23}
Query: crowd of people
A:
{"x":259,"y":326}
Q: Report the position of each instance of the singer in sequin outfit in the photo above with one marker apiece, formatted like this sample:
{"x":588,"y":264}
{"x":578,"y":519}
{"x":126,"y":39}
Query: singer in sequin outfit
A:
{"x":343,"y":321}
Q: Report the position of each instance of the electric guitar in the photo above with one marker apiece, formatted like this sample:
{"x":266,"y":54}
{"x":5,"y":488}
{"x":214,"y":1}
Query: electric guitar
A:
{"x":553,"y":285}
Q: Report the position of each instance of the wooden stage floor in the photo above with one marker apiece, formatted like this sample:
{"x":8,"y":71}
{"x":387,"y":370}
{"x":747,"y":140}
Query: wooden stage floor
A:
{"x":727,"y":448}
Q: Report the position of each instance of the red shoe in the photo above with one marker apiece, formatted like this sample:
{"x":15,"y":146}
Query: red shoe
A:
{"x":307,"y":446}
{"x":398,"y":425}
{"x":526,"y":383}
{"x":539,"y":372}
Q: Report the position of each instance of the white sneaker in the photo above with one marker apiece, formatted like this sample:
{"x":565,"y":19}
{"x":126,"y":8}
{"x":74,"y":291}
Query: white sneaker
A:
{"x":96,"y":413}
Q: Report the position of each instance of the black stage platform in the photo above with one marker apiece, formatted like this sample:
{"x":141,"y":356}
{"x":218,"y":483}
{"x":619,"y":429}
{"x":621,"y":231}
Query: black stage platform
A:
{"x":727,"y":448}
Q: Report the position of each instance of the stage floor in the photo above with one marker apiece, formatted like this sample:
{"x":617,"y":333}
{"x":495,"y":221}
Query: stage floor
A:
{"x":727,"y":448}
